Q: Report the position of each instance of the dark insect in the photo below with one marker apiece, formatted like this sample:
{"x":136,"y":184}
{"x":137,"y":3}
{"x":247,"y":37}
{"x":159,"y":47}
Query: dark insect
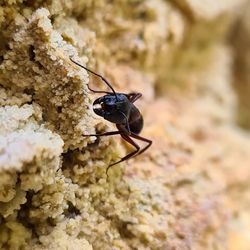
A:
{"x":119,"y":108}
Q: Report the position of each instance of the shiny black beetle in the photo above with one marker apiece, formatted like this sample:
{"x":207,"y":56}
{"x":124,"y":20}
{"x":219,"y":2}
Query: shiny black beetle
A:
{"x":119,"y":108}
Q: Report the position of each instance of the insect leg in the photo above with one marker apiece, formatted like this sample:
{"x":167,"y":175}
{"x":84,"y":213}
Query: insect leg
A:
{"x":106,"y":133}
{"x":129,"y":140}
{"x":133,"y":96}
{"x":142,"y":139}
{"x":127,"y":123}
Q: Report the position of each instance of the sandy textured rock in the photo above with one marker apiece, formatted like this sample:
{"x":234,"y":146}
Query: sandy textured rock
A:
{"x":36,"y":65}
{"x":180,"y":194}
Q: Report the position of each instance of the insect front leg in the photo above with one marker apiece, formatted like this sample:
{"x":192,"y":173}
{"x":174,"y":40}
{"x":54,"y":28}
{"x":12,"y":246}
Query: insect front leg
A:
{"x":106,"y":133}
{"x":128,"y":131}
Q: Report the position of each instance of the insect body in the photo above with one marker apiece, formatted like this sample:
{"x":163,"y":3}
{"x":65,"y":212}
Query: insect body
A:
{"x":119,"y":108}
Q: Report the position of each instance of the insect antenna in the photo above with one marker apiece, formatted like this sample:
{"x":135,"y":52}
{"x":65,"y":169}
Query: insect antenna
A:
{"x":103,"y":79}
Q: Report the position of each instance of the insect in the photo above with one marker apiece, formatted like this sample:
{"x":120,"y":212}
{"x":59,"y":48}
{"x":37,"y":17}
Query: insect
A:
{"x":119,"y":108}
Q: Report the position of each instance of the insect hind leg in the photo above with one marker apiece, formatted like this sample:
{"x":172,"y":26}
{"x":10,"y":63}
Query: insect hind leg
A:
{"x":128,"y":156}
{"x":142,"y":139}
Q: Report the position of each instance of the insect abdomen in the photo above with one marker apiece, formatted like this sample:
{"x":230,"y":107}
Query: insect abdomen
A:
{"x":135,"y":121}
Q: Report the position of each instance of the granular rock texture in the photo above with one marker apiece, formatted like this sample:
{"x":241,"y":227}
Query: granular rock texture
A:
{"x":36,"y":65}
{"x":180,"y":194}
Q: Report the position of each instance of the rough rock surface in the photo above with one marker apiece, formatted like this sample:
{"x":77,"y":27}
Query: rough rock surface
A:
{"x":180,"y":194}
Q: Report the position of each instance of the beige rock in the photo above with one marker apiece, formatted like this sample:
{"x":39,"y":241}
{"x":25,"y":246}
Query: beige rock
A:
{"x":54,"y":190}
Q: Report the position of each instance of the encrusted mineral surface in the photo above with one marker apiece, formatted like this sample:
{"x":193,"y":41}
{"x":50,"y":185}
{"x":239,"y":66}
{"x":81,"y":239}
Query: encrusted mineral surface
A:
{"x":190,"y":190}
